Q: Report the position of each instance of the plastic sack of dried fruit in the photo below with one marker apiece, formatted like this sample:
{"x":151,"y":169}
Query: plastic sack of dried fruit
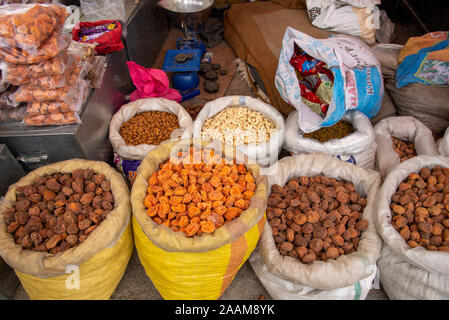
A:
{"x":404,"y":128}
{"x":357,"y":84}
{"x":130,"y":153}
{"x":91,"y":270}
{"x":351,"y":275}
{"x":266,"y":152}
{"x":358,"y":148}
{"x":198,"y":267}
{"x":414,"y":272}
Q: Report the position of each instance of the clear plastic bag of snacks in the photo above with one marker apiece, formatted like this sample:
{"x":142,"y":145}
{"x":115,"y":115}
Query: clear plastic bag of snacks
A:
{"x":52,"y":119}
{"x":55,"y":107}
{"x":86,"y":51}
{"x":74,"y":85}
{"x":12,"y":114}
{"x":56,"y":43}
{"x":18,"y":74}
{"x":6,"y":97}
{"x":96,"y":72}
{"x":28,"y":26}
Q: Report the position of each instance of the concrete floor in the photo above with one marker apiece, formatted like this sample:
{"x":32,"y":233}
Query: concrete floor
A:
{"x":135,"y":285}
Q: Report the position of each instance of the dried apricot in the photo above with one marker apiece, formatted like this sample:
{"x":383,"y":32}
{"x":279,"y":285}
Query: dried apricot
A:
{"x":191,"y":229}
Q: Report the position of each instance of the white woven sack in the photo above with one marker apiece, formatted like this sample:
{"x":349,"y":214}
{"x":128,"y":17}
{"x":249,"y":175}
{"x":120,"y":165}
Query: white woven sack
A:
{"x":443,"y":144}
{"x":280,"y":289}
{"x":403,"y":281}
{"x":264,"y":154}
{"x":405,"y":128}
{"x":129,"y":110}
{"x":358,"y":148}
{"x":430,"y":263}
{"x":355,"y":18}
{"x":334,"y":279}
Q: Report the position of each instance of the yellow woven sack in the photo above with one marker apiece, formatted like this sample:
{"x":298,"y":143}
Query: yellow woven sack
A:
{"x":200,"y":267}
{"x":91,"y":270}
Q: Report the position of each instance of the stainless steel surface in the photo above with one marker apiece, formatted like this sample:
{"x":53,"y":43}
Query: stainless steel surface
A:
{"x":185,"y":6}
{"x":10,"y":169}
{"x":147,"y":29}
{"x":192,"y":13}
{"x":88,"y":140}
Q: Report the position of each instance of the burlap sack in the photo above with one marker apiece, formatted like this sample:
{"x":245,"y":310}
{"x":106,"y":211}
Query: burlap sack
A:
{"x":427,"y":103}
{"x":114,"y":230}
{"x":252,"y":41}
{"x":203,"y":266}
{"x":346,"y":270}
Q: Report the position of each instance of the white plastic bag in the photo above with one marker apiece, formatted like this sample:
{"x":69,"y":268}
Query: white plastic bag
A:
{"x":404,"y":281}
{"x":354,"y":18}
{"x":405,"y":272}
{"x":443,"y":144}
{"x":129,"y":110}
{"x":280,"y":289}
{"x":264,"y":154}
{"x":347,"y":277}
{"x":358,"y":83}
{"x":95,"y":10}
{"x":358,"y":148}
{"x":404,"y":128}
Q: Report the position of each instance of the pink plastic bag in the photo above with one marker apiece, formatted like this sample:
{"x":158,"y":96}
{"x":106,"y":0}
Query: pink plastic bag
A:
{"x":150,"y":83}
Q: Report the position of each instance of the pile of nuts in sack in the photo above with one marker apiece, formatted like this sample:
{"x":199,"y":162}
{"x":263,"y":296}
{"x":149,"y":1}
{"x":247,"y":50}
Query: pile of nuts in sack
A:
{"x":420,"y":209}
{"x":198,"y":196}
{"x":337,"y":131}
{"x":59,"y":211}
{"x":238,"y":125}
{"x":150,"y":127}
{"x":316,"y":218}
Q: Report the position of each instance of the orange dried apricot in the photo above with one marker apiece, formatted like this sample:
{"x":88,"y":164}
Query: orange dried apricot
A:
{"x":192,"y":228}
{"x":179,"y":207}
{"x":232,"y":213}
{"x":215,"y":195}
{"x":193,"y":211}
{"x":207,"y":227}
{"x":183,"y":221}
{"x":152,"y":211}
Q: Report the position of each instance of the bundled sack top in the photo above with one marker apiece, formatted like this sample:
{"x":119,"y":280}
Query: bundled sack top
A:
{"x":355,"y":78}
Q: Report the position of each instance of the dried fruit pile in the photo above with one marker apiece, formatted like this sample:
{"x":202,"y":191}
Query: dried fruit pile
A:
{"x":198,"y":196}
{"x":405,"y":149}
{"x":316,"y":218}
{"x":151,"y":127}
{"x":59,"y":211}
{"x":420,"y":209}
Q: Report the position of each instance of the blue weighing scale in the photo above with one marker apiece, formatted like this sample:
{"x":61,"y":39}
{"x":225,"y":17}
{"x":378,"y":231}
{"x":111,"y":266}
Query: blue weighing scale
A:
{"x":185,"y":78}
